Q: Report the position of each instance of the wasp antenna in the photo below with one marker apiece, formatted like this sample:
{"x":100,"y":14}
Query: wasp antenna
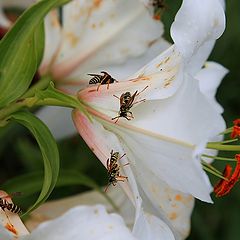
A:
{"x":116,"y":96}
{"x":122,"y":156}
{"x":142,"y":90}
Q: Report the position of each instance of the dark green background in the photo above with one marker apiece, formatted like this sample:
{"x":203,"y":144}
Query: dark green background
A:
{"x":19,"y":153}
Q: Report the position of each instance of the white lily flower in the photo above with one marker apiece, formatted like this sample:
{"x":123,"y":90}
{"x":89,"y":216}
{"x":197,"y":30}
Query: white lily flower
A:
{"x":164,"y":141}
{"x":96,"y":36}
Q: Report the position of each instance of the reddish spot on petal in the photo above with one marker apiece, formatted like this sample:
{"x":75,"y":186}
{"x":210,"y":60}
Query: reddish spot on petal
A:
{"x":11,"y":228}
{"x":173,"y":216}
{"x":97,"y":3}
{"x":178,"y":197}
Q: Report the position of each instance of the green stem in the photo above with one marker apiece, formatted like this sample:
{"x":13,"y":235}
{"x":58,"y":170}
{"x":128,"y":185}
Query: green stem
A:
{"x":26,"y":100}
{"x":40,"y":85}
{"x":217,"y":146}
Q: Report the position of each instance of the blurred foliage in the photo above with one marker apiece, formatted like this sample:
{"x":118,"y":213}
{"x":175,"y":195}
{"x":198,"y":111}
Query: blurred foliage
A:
{"x":19,"y":153}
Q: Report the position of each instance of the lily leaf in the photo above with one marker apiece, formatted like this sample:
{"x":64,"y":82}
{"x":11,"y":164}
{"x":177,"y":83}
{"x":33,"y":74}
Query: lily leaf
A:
{"x":48,"y":149}
{"x":21,"y":51}
{"x":31,"y":183}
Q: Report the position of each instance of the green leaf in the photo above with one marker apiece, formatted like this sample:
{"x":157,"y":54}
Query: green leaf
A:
{"x":48,"y":149}
{"x":31,"y":183}
{"x":21,"y":51}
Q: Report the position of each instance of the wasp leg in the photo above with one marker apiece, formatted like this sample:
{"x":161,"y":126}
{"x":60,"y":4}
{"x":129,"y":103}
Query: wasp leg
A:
{"x":116,"y":118}
{"x":143,"y":100}
{"x":105,"y":190}
{"x":122,"y":178}
{"x":108,"y":83}
{"x":126,"y":164}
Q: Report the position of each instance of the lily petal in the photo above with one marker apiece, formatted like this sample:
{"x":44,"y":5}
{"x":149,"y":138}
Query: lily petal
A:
{"x":73,"y":225}
{"x":210,"y":78}
{"x":53,"y":209}
{"x":52,"y":41}
{"x":58,"y":120}
{"x":99,"y":28}
{"x":104,"y":139}
{"x":172,"y":206}
{"x":194,"y":34}
{"x":159,"y":79}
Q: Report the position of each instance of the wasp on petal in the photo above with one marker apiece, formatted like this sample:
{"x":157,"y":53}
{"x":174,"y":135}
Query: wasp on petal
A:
{"x":113,"y":168}
{"x":4,"y":204}
{"x":126,"y":103}
{"x":106,"y":78}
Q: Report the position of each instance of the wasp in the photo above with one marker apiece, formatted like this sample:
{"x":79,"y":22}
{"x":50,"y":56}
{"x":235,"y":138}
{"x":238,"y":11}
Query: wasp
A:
{"x":113,"y":169}
{"x":158,"y":7}
{"x":4,"y":204}
{"x":126,"y":103}
{"x":106,"y":78}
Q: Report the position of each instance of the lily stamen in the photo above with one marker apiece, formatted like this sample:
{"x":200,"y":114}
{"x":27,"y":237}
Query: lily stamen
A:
{"x":225,"y":186}
{"x":209,"y":168}
{"x":236,"y":129}
{"x":219,"y":158}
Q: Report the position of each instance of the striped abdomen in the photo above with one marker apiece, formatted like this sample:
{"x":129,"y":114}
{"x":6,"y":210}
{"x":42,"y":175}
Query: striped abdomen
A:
{"x":96,"y":79}
{"x":4,"y":204}
{"x":102,"y":79}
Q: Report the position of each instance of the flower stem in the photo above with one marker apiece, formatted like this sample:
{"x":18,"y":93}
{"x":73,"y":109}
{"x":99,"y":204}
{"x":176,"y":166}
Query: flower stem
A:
{"x":40,"y":85}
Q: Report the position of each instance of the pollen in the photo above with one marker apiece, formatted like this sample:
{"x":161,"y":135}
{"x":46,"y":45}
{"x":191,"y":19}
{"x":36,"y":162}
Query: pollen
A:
{"x":11,"y":228}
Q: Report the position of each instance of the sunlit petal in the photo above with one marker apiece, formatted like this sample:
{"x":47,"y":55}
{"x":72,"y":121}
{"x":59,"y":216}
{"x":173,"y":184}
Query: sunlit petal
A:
{"x":194,"y":33}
